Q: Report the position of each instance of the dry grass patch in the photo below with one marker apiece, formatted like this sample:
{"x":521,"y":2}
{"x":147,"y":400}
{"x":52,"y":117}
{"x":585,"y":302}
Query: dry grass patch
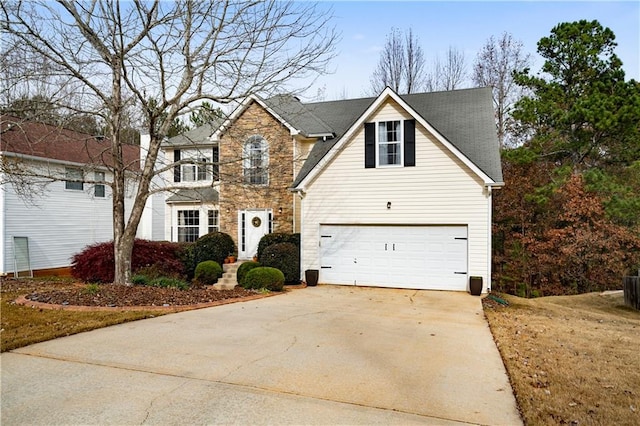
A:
{"x":22,"y":325}
{"x":571,"y":359}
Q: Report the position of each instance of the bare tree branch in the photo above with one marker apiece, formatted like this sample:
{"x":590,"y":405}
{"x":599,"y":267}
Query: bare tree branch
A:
{"x":494,"y":67}
{"x":162,"y":58}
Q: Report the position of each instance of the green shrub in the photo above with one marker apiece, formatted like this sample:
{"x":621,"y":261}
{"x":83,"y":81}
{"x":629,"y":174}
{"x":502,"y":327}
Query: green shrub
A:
{"x":185,"y":253}
{"x":208,"y":272}
{"x":169,"y":283}
{"x":140,"y":279}
{"x":244,"y":268}
{"x":264,"y":277}
{"x":92,"y":289}
{"x":214,"y":246}
{"x":285,"y":257}
{"x":276,"y":238}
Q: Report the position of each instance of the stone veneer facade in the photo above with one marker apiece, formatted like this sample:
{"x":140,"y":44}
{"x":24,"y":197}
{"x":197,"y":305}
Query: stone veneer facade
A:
{"x":234,"y":193}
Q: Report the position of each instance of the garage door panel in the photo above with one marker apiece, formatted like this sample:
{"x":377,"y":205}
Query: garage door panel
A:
{"x":425,"y":257}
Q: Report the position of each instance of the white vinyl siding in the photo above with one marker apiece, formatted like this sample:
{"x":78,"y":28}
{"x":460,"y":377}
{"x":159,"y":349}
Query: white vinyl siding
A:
{"x":440,"y":190}
{"x":59,"y":224}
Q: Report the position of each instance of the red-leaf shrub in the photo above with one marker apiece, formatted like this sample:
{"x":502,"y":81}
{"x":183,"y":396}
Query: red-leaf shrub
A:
{"x":96,"y":262}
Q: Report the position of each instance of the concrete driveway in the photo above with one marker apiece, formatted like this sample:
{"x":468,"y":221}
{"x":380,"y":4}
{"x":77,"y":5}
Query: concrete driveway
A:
{"x":320,"y":355}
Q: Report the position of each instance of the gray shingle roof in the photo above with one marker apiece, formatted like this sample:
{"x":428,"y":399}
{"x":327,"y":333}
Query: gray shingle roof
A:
{"x":464,"y":117}
{"x":294,"y":112}
{"x":194,"y":195}
{"x":196,"y":136}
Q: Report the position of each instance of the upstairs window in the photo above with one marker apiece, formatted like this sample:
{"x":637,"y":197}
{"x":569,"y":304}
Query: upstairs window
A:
{"x":98,"y":188}
{"x":199,"y":167}
{"x":197,"y":172}
{"x":75,"y":178}
{"x":256,"y":161}
{"x":389,"y":143}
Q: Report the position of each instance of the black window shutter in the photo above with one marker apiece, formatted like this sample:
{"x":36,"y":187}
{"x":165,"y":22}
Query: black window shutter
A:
{"x":216,"y":163}
{"x":176,"y":169}
{"x":409,"y":143}
{"x":369,"y":145}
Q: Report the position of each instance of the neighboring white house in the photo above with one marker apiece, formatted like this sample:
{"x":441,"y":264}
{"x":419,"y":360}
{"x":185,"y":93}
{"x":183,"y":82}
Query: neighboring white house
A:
{"x":57,"y":219}
{"x":391,"y":191}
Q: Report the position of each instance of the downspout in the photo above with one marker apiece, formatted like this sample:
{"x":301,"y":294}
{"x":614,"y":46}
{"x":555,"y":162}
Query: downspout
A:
{"x":489,"y":235}
{"x":300,"y":193}
{"x":3,"y":247}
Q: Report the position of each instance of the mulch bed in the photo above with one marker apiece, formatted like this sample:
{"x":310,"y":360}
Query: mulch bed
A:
{"x":81,"y":297}
{"x":107,"y":297}
{"x":110,"y":295}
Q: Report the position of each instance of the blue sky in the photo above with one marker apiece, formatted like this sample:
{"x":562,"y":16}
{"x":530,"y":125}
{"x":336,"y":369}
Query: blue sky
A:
{"x":466,"y":26}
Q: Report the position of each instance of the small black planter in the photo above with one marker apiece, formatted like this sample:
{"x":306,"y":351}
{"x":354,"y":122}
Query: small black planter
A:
{"x":475,"y":286}
{"x":311,"y":277}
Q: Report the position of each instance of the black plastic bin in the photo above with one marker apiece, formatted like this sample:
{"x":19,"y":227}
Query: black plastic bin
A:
{"x":475,"y":286}
{"x":311,"y":277}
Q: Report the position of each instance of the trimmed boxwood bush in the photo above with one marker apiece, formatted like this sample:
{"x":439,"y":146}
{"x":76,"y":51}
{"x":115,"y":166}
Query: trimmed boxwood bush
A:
{"x":285,"y":257}
{"x":276,"y":238}
{"x":243,"y":269}
{"x":95,"y":263}
{"x":214,"y":246}
{"x":208,"y":272}
{"x":264,"y":277}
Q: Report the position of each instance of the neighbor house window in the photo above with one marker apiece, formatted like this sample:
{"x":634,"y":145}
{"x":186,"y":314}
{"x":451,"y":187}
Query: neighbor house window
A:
{"x":99,"y":187}
{"x":75,"y":178}
{"x":188,"y":225}
{"x":389,"y":143}
{"x":256,"y":161}
{"x":214,"y":221}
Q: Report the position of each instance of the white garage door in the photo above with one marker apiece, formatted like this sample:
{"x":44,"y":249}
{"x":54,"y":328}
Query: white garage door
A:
{"x":421,"y":257}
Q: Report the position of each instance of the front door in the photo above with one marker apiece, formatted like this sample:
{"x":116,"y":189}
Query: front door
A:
{"x":252,"y":226}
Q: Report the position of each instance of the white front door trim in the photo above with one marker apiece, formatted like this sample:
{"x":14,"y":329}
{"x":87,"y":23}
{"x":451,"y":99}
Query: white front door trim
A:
{"x":253,"y":224}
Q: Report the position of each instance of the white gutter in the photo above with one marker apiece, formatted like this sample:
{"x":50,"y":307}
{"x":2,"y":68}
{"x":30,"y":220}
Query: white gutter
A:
{"x":52,"y":160}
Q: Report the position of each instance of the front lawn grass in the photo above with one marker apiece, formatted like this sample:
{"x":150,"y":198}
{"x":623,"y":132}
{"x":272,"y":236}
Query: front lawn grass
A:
{"x":571,"y":359}
{"x":21,"y":325}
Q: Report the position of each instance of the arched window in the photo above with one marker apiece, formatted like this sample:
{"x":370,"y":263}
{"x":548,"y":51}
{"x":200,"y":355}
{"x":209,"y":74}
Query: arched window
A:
{"x":256,"y":161}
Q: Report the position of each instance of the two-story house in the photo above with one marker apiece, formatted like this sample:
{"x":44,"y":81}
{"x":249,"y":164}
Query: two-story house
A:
{"x":392,"y":190}
{"x":59,"y":205}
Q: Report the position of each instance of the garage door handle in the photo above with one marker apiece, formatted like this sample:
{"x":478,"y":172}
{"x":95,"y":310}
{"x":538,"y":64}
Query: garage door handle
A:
{"x":325,"y":267}
{"x":462,"y":273}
